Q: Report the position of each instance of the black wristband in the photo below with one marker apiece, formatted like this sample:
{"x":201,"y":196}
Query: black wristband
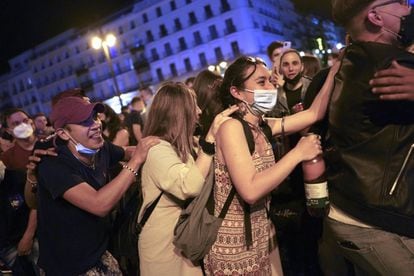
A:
{"x":207,"y":147}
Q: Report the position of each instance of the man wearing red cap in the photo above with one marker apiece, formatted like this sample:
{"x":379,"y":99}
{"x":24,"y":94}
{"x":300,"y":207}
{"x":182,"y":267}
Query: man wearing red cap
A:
{"x":74,"y":196}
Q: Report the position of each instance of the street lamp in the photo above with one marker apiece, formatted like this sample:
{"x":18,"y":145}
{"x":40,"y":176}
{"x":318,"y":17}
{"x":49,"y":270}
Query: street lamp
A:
{"x":98,"y":43}
{"x":219,"y":68}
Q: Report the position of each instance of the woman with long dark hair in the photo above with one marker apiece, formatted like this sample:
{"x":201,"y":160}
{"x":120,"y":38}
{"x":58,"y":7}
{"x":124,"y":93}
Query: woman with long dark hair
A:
{"x":112,"y":128}
{"x":206,"y":86}
{"x":254,"y":174}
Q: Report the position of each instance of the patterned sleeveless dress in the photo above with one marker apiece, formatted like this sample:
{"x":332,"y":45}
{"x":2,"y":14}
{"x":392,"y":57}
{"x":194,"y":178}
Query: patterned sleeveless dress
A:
{"x":229,"y":254}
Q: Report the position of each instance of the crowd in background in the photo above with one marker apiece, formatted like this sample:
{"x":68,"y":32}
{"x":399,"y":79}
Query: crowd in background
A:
{"x":86,"y":163}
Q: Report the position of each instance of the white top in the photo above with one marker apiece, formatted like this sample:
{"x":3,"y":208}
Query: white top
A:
{"x":163,"y":170}
{"x":339,"y":215}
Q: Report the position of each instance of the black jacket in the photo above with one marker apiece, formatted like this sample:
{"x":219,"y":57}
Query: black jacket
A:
{"x":369,"y":140}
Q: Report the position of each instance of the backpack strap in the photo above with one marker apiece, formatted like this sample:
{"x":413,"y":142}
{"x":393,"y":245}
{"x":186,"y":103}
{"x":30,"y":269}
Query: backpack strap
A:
{"x":147,"y":213}
{"x":264,"y":126}
{"x":248,"y":133}
{"x":227,"y":203}
{"x":247,"y":225}
{"x":267,"y":131}
{"x":210,"y":201}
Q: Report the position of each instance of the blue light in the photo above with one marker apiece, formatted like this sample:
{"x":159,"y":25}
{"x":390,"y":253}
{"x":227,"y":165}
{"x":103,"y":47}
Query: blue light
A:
{"x":315,"y":21}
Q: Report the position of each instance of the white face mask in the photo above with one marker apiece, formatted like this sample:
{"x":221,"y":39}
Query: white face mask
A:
{"x":84,"y":150}
{"x":23,"y":131}
{"x":264,"y":101}
{"x":81,"y":148}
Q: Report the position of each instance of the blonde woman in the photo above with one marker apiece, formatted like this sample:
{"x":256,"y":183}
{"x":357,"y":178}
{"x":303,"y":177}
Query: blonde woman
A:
{"x":171,"y":168}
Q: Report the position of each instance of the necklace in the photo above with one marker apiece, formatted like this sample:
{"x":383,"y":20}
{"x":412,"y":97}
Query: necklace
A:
{"x":91,"y":166}
{"x":257,"y":130}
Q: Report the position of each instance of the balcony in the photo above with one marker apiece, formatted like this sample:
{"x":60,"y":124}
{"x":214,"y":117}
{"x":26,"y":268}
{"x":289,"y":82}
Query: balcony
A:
{"x":225,"y":8}
{"x":155,"y":57}
{"x":141,"y":66}
{"x":212,"y":36}
{"x":230,"y":29}
{"x":208,"y":15}
{"x":182,"y":47}
{"x":193,"y":21}
{"x":80,"y":70}
{"x":137,"y":49}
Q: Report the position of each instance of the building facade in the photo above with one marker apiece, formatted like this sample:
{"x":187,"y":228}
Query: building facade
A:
{"x":156,"y":41}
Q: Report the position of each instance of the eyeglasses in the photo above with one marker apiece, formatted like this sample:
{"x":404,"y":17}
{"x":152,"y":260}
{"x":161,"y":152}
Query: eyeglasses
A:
{"x":401,"y":2}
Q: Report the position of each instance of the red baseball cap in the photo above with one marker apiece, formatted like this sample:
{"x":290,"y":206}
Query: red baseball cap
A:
{"x":73,"y":110}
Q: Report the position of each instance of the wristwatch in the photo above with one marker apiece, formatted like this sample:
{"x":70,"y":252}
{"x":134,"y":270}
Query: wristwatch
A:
{"x":208,"y":148}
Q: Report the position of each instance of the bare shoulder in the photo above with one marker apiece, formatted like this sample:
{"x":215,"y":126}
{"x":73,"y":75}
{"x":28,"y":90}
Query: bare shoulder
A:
{"x":232,"y":124}
{"x":230,"y":127}
{"x":123,"y":132}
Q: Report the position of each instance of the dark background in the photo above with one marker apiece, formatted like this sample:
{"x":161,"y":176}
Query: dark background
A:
{"x":25,"y":24}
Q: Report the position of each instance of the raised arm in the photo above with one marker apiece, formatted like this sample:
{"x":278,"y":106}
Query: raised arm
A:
{"x":100,"y":202}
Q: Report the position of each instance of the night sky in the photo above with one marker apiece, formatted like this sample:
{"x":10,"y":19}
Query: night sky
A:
{"x":24,"y":24}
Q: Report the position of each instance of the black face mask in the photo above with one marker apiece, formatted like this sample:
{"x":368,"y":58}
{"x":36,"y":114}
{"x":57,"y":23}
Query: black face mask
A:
{"x":406,"y":34}
{"x":295,"y":80}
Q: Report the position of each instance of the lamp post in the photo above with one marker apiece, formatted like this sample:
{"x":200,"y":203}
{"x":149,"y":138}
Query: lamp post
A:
{"x":109,"y":41}
{"x":218,"y":68}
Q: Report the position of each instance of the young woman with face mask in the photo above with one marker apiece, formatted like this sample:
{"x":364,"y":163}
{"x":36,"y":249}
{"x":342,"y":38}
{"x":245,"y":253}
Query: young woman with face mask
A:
{"x":247,"y":84}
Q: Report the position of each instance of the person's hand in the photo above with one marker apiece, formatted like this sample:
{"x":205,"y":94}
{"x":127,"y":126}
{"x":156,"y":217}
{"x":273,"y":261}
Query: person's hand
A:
{"x":141,"y":150}
{"x":394,"y":83}
{"x":335,"y":67}
{"x":309,"y":147}
{"x":218,"y":120}
{"x":24,"y":246}
{"x":35,"y":158}
{"x":276,"y":78}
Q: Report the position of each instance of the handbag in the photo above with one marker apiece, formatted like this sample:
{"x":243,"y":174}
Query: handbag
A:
{"x":197,"y":227}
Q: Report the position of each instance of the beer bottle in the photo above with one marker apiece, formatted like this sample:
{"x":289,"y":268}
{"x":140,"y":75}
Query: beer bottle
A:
{"x":316,"y":187}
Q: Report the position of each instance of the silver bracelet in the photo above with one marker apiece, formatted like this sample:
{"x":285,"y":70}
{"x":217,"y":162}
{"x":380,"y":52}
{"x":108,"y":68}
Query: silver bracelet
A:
{"x":31,"y":182}
{"x":130,"y":169}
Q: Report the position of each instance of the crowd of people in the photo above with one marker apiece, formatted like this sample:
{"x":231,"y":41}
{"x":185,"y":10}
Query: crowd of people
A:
{"x":70,"y":180}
